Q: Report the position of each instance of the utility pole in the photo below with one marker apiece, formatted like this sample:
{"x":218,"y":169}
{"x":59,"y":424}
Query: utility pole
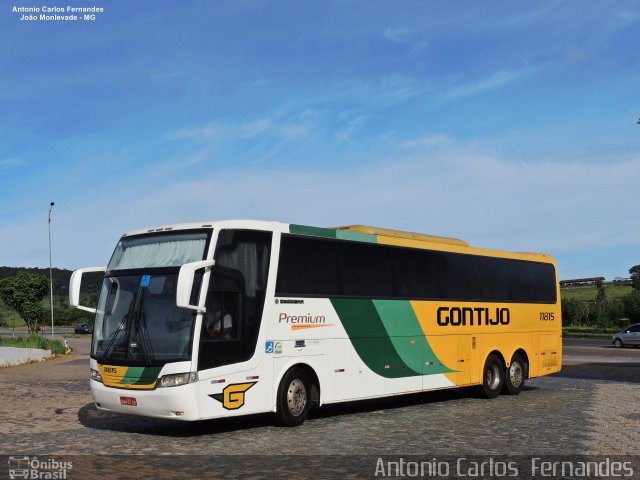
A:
{"x":50,"y":274}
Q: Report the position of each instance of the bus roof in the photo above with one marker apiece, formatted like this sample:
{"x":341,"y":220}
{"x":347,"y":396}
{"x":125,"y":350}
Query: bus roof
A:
{"x":386,"y":232}
{"x":351,"y":232}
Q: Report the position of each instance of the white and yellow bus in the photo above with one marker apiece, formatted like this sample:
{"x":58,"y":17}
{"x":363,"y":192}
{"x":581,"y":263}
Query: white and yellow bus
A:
{"x":208,"y":320}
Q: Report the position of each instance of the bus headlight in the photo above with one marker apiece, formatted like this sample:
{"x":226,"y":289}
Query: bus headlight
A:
{"x":178,"y":379}
{"x":95,"y":375}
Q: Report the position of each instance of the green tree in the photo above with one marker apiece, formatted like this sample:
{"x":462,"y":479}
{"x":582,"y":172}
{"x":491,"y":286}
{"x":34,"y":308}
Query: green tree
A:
{"x":634,"y":272}
{"x":23,"y":293}
{"x":601,"y":296}
{"x":631,"y":303}
{"x":601,"y":307}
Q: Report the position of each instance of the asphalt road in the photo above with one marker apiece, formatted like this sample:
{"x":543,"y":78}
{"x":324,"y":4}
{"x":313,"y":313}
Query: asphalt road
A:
{"x":57,"y":330}
{"x":583,"y":410}
{"x":598,"y":359}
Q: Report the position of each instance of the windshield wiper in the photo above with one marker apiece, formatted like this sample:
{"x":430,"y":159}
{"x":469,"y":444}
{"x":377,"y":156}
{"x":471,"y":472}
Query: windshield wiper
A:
{"x":116,"y":334}
{"x":145,"y":340}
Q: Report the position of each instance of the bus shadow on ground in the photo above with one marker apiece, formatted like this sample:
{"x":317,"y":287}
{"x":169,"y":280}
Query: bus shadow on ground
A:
{"x":90,"y":417}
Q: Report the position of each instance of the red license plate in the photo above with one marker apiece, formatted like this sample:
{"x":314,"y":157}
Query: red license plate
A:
{"x":129,"y":401}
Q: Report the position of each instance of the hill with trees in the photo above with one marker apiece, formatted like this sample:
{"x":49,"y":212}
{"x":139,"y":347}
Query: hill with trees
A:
{"x":12,"y":312}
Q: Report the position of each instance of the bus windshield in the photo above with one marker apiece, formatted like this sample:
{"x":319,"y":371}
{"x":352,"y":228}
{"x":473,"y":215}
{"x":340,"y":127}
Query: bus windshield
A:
{"x":138,"y":322}
{"x":158,"y":250}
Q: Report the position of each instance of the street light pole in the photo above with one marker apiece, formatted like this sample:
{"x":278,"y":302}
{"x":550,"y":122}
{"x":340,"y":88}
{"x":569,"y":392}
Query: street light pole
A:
{"x":50,"y":274}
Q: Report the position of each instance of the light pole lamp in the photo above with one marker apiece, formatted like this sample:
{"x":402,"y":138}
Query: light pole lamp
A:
{"x":50,"y":273}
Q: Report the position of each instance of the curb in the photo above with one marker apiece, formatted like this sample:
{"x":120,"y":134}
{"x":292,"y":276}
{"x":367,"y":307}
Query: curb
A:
{"x":11,"y":356}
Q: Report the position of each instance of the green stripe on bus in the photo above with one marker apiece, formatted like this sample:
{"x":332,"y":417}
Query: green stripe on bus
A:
{"x":332,"y":233}
{"x":408,"y":339}
{"x":370,"y":339}
{"x":357,"y":236}
{"x":140,"y":375}
{"x":314,"y":231}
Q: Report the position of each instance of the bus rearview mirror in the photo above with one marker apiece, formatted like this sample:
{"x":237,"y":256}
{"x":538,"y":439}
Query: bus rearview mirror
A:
{"x":75,"y":284}
{"x":186,"y":278}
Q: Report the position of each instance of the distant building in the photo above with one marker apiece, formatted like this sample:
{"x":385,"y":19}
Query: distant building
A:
{"x":580,"y":282}
{"x":623,"y":281}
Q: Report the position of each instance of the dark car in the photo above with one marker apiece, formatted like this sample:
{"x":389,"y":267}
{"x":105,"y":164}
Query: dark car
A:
{"x":83,"y":328}
{"x":630,"y":336}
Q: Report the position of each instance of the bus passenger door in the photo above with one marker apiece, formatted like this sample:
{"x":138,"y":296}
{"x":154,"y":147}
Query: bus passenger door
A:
{"x":222,"y":324}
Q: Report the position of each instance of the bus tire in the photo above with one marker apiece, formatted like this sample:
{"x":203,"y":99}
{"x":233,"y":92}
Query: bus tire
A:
{"x":515,"y":375}
{"x":294,"y":399}
{"x":492,"y":376}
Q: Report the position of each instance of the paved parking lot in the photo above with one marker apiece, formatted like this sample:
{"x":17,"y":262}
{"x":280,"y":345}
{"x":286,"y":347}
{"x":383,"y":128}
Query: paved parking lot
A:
{"x":589,"y":408}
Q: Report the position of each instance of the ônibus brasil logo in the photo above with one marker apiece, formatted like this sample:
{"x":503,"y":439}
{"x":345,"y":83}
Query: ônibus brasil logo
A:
{"x":25,"y":467}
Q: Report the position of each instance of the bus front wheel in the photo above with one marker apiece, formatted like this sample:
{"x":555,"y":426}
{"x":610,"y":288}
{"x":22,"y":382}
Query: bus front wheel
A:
{"x":493,"y":376}
{"x":515,"y":375}
{"x":293,"y":398}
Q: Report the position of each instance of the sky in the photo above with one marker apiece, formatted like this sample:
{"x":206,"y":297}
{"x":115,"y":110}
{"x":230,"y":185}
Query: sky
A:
{"x":511,"y":125}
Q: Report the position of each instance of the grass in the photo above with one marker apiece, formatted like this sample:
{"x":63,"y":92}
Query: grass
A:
{"x":34,"y":340}
{"x":589,"y":293}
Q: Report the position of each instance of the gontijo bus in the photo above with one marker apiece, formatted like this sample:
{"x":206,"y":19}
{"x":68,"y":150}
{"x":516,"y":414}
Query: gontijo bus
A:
{"x":207,"y":320}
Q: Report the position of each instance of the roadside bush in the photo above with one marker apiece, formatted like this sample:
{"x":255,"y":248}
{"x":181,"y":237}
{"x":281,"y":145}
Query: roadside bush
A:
{"x":631,"y":304}
{"x":604,"y":313}
{"x":571,"y":311}
{"x":589,"y":330}
{"x":34,"y":340}
{"x":616,"y":312}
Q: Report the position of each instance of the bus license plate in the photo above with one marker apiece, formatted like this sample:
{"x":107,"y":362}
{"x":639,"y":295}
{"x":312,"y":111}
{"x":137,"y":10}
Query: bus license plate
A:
{"x":129,"y":401}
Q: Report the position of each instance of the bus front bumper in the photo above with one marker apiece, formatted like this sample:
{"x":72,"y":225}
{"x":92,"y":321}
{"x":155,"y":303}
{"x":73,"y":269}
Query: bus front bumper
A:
{"x":178,"y":403}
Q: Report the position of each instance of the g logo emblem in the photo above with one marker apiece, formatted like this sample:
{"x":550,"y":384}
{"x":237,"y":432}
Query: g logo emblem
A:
{"x":232,"y":397}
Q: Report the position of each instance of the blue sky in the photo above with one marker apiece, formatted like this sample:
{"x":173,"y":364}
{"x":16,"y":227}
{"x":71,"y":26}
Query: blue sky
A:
{"x":509,"y":125}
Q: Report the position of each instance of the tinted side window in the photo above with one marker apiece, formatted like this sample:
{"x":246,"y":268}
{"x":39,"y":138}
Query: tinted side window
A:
{"x":522,"y":284}
{"x":365,"y":270}
{"x":307,"y":266}
{"x":417,"y":272}
{"x":461,"y":277}
{"x":493,"y":278}
{"x":326,"y":267}
{"x":545,"y":276}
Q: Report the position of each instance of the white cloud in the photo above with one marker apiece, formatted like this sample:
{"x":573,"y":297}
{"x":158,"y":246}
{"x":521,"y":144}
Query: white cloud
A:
{"x":293,"y":131}
{"x":403,"y":36}
{"x":398,"y":35}
{"x":222,"y":132}
{"x":12,"y":163}
{"x":428,"y":141}
{"x":491,"y":81}
{"x":563,"y":208}
{"x":347,"y":130}
{"x":627,"y":17}
{"x":171,"y":75}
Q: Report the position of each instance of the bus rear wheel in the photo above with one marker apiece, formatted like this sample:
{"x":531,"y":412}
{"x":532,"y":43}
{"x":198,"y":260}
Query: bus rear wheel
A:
{"x":294,"y":398}
{"x":493,"y":376}
{"x":515,"y":375}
